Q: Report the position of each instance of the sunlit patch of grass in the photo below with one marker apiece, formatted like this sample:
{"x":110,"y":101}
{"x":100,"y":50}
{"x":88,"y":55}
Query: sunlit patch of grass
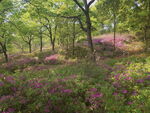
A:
{"x":138,"y":46}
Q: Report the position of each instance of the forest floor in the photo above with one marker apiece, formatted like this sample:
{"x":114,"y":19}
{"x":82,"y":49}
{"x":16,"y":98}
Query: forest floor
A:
{"x":51,"y":82}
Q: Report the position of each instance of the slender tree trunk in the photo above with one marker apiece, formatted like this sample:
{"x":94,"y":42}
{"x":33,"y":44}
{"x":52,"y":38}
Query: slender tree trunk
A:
{"x":41,"y":42}
{"x":53,"y":38}
{"x":53,"y":45}
{"x":145,"y":38}
{"x":73,"y":46}
{"x":74,"y":37}
{"x":30,"y":47}
{"x":89,"y":36}
{"x":114,"y":32}
{"x":52,"y":41}
{"x":6,"y":56}
{"x":4,"y":50}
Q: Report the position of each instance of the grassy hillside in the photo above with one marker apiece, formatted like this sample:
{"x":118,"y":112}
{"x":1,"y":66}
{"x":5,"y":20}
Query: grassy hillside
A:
{"x":51,"y":82}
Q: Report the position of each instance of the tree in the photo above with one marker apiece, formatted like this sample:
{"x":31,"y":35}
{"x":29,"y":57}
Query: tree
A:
{"x":6,"y":28}
{"x":141,"y":16}
{"x":110,"y":9}
{"x":86,"y":10}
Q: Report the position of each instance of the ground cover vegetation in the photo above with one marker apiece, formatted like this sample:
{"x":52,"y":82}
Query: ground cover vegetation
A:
{"x":74,"y":56}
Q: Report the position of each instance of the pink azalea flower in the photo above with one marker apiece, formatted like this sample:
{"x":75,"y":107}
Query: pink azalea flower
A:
{"x":52,"y":57}
{"x":1,"y":84}
{"x":93,"y":89}
{"x":97,"y":95}
{"x":124,"y":91}
{"x":67,"y":91}
{"x":134,"y":93}
{"x":3,"y":98}
{"x":128,"y":78}
{"x":10,"y":79}
{"x":11,"y":110}
{"x":115,"y":93}
{"x":47,"y":110}
{"x":140,"y":81}
{"x":129,"y":103}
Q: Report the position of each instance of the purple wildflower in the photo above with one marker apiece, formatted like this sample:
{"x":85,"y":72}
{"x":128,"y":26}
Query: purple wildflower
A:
{"x":46,"y":110}
{"x":67,"y":91}
{"x":148,"y":77}
{"x":10,"y":110}
{"x":124,"y":91}
{"x":129,"y":103}
{"x":134,"y":93}
{"x":93,"y":89}
{"x":128,"y":78}
{"x":97,"y":95}
{"x":10,"y":79}
{"x":140,"y":81}
{"x":117,"y":77}
{"x":4,"y":98}
{"x":115,"y":93}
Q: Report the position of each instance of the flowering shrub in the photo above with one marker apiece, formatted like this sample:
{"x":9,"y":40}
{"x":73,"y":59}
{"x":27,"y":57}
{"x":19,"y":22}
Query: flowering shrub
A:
{"x":131,"y":82}
{"x":19,"y":64}
{"x":82,"y":88}
{"x":52,"y":59}
{"x":40,"y":95}
{"x":109,"y":40}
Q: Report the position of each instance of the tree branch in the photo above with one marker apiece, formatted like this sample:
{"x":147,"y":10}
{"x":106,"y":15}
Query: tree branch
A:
{"x":79,"y":20}
{"x":25,"y":40}
{"x":91,"y":2}
{"x":79,"y":6}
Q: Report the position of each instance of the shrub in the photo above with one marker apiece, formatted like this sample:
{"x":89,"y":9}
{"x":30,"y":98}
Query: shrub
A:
{"x":79,"y":52}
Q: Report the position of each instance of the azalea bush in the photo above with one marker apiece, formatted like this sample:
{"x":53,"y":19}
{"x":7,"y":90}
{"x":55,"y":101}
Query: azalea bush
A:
{"x":53,"y":59}
{"x":79,"y":88}
{"x":40,"y":94}
{"x":17,"y":64}
{"x":109,"y":40}
{"x":131,"y":80}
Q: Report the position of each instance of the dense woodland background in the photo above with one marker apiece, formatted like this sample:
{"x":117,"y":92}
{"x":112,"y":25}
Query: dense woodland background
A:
{"x":74,"y":56}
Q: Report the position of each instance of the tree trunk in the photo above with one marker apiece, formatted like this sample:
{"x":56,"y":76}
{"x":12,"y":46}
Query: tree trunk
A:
{"x":89,"y":35}
{"x":52,"y":41}
{"x":145,"y":38}
{"x":30,"y":47}
{"x":114,"y":32}
{"x":74,"y":37}
{"x":53,"y":45}
{"x":41,"y":42}
{"x":6,"y":56}
{"x":88,"y":31}
{"x":4,"y":50}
